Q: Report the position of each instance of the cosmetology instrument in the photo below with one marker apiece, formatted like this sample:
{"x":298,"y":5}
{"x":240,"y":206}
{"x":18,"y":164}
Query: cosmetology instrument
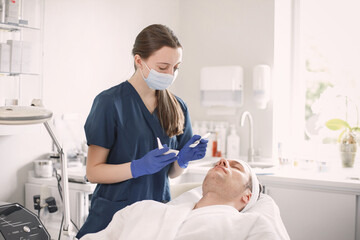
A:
{"x":17,"y":222}
{"x":170,"y":150}
{"x":34,"y":114}
{"x":198,"y":141}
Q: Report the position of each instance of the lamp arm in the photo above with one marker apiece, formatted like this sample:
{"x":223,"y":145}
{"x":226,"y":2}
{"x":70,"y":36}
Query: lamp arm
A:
{"x":67,"y":227}
{"x":53,"y":137}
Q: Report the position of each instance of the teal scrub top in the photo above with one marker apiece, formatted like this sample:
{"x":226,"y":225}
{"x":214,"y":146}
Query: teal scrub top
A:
{"x":120,"y":121}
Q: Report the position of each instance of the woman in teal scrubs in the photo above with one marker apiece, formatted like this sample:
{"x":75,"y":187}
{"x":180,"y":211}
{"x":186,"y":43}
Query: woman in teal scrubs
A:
{"x":122,"y":127}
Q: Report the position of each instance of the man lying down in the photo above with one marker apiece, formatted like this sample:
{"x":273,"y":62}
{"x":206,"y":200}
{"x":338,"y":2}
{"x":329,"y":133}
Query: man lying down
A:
{"x":229,"y":190}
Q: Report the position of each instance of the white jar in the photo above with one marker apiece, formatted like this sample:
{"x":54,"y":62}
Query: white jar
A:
{"x":43,"y":168}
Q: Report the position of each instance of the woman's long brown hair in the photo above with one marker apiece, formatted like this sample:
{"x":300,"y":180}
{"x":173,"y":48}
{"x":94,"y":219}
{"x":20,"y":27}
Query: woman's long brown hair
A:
{"x":169,"y":111}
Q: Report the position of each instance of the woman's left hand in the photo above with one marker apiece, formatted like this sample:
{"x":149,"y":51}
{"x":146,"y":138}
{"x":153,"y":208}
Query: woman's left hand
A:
{"x":188,"y":153}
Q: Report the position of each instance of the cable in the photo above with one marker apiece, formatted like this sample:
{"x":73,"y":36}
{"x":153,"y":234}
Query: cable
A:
{"x":60,"y":230}
{"x":74,"y":225}
{"x":58,"y":178}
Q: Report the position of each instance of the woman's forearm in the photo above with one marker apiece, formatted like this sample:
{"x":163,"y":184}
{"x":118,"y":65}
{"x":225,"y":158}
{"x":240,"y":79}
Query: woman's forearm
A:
{"x":99,"y":171}
{"x":175,"y":170}
{"x":108,"y":173}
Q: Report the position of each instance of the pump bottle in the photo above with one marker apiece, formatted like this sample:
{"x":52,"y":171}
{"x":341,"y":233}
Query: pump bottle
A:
{"x":233,"y":144}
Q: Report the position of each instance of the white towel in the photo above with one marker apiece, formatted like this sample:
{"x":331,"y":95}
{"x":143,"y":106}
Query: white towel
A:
{"x":225,"y":222}
{"x":152,"y":220}
{"x":144,"y":220}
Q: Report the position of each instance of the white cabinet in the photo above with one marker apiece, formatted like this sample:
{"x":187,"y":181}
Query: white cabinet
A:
{"x":316,"y":208}
{"x":309,"y":214}
{"x":79,"y":197}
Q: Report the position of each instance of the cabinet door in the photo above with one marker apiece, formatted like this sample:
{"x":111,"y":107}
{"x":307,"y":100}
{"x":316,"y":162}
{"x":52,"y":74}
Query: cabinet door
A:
{"x":310,"y":214}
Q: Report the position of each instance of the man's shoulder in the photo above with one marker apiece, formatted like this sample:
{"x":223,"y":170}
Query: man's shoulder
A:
{"x":151,"y":205}
{"x":148,"y":203}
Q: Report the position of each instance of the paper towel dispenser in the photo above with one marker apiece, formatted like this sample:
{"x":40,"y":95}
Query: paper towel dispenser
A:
{"x":222,"y":86}
{"x":261,"y":85}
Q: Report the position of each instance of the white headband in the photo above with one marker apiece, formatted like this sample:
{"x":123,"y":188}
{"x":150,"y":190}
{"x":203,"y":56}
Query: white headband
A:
{"x":254,"y":187}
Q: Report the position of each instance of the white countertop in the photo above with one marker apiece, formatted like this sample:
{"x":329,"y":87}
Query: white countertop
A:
{"x":87,"y":187}
{"x":338,"y":182}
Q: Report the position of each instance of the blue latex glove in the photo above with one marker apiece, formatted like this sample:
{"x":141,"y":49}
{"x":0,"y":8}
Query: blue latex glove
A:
{"x":152,"y":162}
{"x":188,"y":153}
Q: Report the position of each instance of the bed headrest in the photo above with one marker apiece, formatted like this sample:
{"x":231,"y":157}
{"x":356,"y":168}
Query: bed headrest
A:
{"x":254,"y":187}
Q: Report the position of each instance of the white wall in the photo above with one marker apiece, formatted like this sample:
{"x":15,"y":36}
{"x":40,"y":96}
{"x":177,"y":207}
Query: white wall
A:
{"x":87,"y":48}
{"x":88,"y":43}
{"x":231,"y":32}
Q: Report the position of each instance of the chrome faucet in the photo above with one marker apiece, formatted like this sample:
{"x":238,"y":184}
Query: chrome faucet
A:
{"x":251,"y":134}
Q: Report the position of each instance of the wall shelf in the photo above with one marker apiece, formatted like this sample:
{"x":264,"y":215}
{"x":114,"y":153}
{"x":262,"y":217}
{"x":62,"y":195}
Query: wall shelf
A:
{"x":21,"y":52}
{"x":17,"y":74}
{"x":14,"y":28}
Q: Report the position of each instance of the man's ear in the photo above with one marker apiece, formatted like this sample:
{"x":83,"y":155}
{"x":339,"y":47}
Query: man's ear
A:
{"x":246,"y":197}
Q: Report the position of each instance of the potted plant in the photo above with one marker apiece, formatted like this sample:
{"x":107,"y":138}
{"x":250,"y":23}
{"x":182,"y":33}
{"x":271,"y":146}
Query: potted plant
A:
{"x":347,"y":139}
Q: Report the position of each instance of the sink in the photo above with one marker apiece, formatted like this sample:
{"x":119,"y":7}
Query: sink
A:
{"x":203,"y":163}
{"x":261,"y":164}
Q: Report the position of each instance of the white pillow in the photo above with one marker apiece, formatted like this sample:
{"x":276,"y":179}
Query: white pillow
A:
{"x":193,"y":195}
{"x":265,"y":206}
{"x":180,"y":188}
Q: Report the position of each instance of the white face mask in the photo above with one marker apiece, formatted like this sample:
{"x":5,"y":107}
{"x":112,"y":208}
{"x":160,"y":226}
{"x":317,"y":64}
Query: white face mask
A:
{"x":158,"y":81}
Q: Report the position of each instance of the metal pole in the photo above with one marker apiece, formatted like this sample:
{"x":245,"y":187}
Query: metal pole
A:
{"x":67,"y":227}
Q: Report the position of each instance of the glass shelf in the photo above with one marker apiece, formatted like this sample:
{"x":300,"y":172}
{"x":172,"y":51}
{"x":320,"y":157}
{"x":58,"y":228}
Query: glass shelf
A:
{"x":15,"y":27}
{"x":17,"y":74}
{"x":24,"y":81}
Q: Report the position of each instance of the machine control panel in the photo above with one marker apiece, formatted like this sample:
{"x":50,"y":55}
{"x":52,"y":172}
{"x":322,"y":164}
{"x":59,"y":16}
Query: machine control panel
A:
{"x":17,"y":222}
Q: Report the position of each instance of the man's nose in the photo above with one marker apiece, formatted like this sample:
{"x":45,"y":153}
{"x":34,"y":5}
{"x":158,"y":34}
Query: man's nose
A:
{"x":223,"y":162}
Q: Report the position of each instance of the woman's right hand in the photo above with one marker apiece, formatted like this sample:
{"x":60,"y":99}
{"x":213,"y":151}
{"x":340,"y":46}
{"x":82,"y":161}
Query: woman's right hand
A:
{"x":152,"y":162}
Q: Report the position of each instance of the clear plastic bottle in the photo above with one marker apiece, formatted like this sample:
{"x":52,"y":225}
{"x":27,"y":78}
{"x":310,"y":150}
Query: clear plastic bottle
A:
{"x":233,"y":144}
{"x":203,"y":128}
{"x":196,"y":128}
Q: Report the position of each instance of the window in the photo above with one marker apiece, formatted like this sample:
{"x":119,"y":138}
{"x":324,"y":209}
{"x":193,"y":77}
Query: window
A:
{"x":326,"y":70}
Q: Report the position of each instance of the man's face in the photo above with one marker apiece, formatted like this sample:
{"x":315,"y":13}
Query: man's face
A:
{"x":228,"y":178}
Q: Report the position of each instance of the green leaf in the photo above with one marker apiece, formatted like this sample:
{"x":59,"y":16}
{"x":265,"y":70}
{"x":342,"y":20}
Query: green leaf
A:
{"x":340,"y":136}
{"x":356,"y":129}
{"x":337,"y":124}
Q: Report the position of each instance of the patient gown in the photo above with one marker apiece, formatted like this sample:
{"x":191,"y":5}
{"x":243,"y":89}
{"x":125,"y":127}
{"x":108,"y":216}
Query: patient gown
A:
{"x":120,"y":121}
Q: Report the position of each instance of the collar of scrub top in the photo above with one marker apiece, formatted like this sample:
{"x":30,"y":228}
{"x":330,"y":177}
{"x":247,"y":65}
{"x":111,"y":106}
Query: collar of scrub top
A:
{"x":254,"y":188}
{"x":160,"y":146}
